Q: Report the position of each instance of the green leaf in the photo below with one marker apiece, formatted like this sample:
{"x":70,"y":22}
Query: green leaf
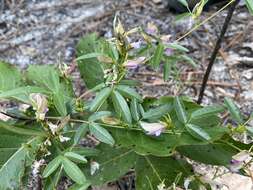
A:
{"x":52,"y":166}
{"x":100,"y":99}
{"x":180,"y":110}
{"x":206,"y":111}
{"x":214,"y":154}
{"x":81,"y":131}
{"x":51,"y":181}
{"x":152,"y":171}
{"x":89,"y":55}
{"x":198,"y":132}
{"x":99,"y":115}
{"x":13,"y":168}
{"x":157,"y":57}
{"x":90,"y":69}
{"x":213,"y":120}
{"x":134,"y":109}
{"x":10,"y":77}
{"x":22,"y":93}
{"x":249,"y":4}
{"x":101,"y":134}
{"x":177,"y":47}
{"x":184,"y":2}
{"x":233,"y":110}
{"x":191,"y":138}
{"x":158,"y":112}
{"x":75,"y":157}
{"x":86,"y":151}
{"x":121,"y":107}
{"x":73,"y":171}
{"x":127,"y":82}
{"x":143,"y":144}
{"x":80,"y":187}
{"x":116,"y":160}
{"x":249,"y":130}
{"x":189,"y":60}
{"x":19,"y":130}
{"x":44,"y":76}
{"x":166,"y":71}
{"x":128,"y":92}
{"x":59,"y":103}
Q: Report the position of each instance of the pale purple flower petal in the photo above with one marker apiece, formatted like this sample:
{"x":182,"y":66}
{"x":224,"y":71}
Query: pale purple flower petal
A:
{"x":241,"y":156}
{"x":153,"y":128}
{"x":136,"y":45}
{"x":168,"y":51}
{"x":239,"y":160}
{"x":133,"y":64}
{"x":152,"y":29}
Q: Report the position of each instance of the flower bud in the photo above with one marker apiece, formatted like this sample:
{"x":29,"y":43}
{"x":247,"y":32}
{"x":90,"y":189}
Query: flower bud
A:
{"x":40,"y":104}
{"x":152,"y":29}
{"x":94,"y":166}
{"x":133,"y":64}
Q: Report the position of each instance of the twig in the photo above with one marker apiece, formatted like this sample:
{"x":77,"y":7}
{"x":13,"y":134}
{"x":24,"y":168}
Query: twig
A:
{"x":216,"y":50}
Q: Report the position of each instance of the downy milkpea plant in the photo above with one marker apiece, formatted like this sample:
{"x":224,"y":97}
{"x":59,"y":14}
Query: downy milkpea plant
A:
{"x":49,"y":129}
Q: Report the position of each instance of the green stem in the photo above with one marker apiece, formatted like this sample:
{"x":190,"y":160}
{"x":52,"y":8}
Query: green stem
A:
{"x":106,"y":125}
{"x":204,"y":21}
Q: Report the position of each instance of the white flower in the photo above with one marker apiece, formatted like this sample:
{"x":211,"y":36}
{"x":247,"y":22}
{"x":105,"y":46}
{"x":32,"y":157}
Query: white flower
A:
{"x":40,"y":104}
{"x":53,"y":128}
{"x":153,"y":128}
{"x":94,"y":166}
{"x":63,"y":139}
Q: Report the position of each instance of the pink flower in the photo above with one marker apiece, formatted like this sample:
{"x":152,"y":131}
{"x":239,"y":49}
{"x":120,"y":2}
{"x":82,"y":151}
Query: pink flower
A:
{"x":153,"y":128}
{"x":133,"y":64}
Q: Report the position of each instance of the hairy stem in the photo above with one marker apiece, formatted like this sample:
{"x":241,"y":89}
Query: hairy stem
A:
{"x":216,"y":50}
